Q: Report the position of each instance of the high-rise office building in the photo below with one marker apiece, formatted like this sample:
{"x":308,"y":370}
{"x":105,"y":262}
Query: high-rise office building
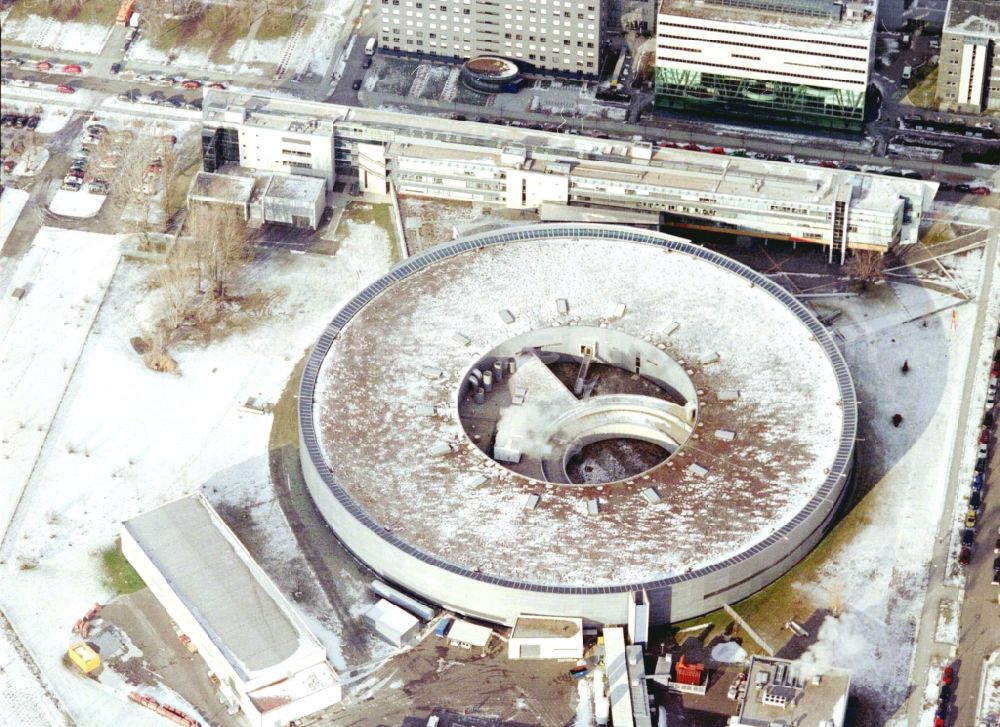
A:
{"x":969,"y":70}
{"x":789,"y":61}
{"x":558,"y":35}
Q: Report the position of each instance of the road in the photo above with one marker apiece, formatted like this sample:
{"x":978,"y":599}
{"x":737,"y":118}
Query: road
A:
{"x":926,"y":648}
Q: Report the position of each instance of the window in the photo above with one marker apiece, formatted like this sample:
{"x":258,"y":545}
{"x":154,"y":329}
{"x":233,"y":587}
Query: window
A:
{"x":465,"y":11}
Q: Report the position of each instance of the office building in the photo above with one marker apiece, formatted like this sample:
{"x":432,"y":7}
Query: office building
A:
{"x":805,"y":62}
{"x":570,"y":178}
{"x":969,"y":70}
{"x":783,"y":692}
{"x":556,"y":35}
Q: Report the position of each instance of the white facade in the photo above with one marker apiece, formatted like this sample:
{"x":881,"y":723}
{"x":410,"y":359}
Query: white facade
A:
{"x":270,"y":692}
{"x":763,"y":51}
{"x":391,"y":623}
{"x":546,"y":637}
{"x":561,"y":35}
{"x":524,"y":169}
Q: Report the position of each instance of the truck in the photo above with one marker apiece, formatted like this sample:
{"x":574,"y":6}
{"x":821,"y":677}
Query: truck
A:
{"x":907,"y":73}
{"x":125,"y":12}
{"x":370,"y":47}
{"x":442,"y":628}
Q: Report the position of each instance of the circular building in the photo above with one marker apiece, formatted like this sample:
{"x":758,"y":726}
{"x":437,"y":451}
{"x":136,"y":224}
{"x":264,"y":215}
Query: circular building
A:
{"x":491,"y":74}
{"x":553,"y":419}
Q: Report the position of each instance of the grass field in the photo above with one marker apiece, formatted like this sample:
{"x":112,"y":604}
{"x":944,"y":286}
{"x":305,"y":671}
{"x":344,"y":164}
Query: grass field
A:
{"x":363,"y":213}
{"x":276,"y":24}
{"x":118,"y":572}
{"x":100,"y":12}
{"x":924,"y":90}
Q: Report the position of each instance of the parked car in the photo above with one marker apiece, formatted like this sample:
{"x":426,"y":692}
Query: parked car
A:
{"x":367,"y":62}
{"x":43,"y":66}
{"x":717,"y":150}
{"x":971,"y":516}
{"x":996,"y":546}
{"x":944,"y":694}
{"x":8,"y":165}
{"x":963,"y":188}
{"x":116,"y":67}
{"x":190,"y":83}
{"x":356,"y":85}
{"x":984,"y":450}
{"x":827,"y":164}
{"x":991,"y":398}
{"x":691,"y":147}
{"x":981,"y":191}
{"x":72,"y":68}
{"x":33,"y":122}
{"x":98,"y":186}
{"x":948,"y":675}
{"x":63,"y":88}
{"x":442,"y":627}
{"x":976,"y":500}
{"x":968,"y":537}
{"x":965,"y":555}
{"x":20,"y":121}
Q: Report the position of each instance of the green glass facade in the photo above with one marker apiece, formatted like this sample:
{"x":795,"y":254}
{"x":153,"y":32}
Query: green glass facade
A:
{"x":712,"y":94}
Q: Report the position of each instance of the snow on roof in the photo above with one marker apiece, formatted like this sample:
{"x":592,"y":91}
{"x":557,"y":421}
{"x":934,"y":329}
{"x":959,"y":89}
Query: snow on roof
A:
{"x":469,"y":633}
{"x":980,"y":17}
{"x":211,"y":573}
{"x":221,"y":187}
{"x":547,"y":627}
{"x":391,"y":617}
{"x":299,"y":685}
{"x":857,"y":21}
{"x":788,"y":418}
{"x":295,"y":187}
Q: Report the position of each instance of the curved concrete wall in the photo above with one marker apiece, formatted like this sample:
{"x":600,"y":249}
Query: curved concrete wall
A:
{"x":493,"y":598}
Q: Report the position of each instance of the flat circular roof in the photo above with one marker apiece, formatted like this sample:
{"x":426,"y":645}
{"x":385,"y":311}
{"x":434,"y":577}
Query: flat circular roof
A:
{"x":773,"y":440}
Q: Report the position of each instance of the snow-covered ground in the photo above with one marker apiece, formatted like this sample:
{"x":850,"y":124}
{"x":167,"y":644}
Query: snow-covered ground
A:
{"x":47,"y":32}
{"x":946,"y":631}
{"x":11,"y":203}
{"x":124,"y":439}
{"x":31,"y":162}
{"x":879,"y":576}
{"x":22,"y":700}
{"x":988,"y":712}
{"x":79,"y":203}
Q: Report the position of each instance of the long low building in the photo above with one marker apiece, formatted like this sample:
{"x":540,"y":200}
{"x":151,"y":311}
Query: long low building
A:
{"x":519,"y":168}
{"x":268,"y":663}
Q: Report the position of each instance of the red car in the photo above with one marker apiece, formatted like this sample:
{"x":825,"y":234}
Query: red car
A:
{"x":169,"y":138}
{"x":981,"y":191}
{"x":984,"y":436}
{"x":716,"y":150}
{"x":216,"y":85}
{"x":827,"y":164}
{"x":72,"y":69}
{"x":995,"y":370}
{"x":948,"y":676}
{"x":191,"y":84}
{"x":43,"y":65}
{"x":665,"y":144}
{"x":691,"y":147}
{"x":8,"y":166}
{"x":63,"y":88}
{"x":964,"y":558}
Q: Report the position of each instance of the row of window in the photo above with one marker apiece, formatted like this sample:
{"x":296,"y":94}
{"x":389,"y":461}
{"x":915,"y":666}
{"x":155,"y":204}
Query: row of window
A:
{"x":747,"y":34}
{"x":750,"y":70}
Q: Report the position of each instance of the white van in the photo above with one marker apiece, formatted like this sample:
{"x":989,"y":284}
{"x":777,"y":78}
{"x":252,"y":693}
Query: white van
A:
{"x":907,"y":72}
{"x":370,"y":47}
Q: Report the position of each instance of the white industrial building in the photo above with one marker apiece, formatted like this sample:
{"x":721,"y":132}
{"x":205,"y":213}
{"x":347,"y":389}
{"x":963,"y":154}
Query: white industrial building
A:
{"x":560,"y":35}
{"x":270,"y":666}
{"x":469,"y":635}
{"x":391,"y":623}
{"x":627,"y":688}
{"x":546,"y":637}
{"x":797,"y":61}
{"x":566,"y":177}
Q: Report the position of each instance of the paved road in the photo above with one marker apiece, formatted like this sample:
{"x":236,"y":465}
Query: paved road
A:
{"x":937,"y":590}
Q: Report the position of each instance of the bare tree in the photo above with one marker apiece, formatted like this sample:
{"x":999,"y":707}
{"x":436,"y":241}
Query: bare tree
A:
{"x":168,"y":175}
{"x":866,"y":266}
{"x":222,"y":243}
{"x":135,"y":183}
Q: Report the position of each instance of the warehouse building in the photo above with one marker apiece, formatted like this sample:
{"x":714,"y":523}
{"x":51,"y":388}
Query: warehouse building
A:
{"x":553,"y":35}
{"x":802,"y":62}
{"x":569,"y":178}
{"x":969,"y":69}
{"x":269,"y":664}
